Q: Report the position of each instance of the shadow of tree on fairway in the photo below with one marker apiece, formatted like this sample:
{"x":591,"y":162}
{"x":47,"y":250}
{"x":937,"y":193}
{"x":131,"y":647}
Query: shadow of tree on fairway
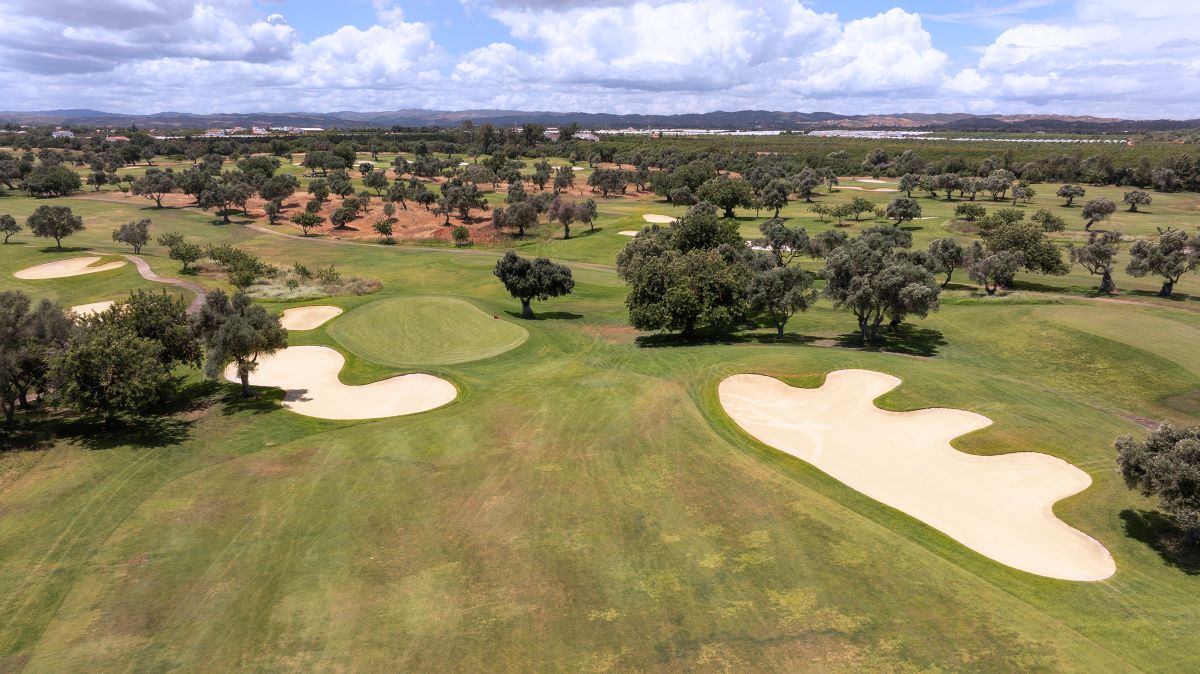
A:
{"x":149,"y":432}
{"x":1175,"y":296}
{"x":64,"y":249}
{"x":547,"y":316}
{"x":262,"y":400}
{"x":671,"y":339}
{"x":1161,"y":534}
{"x":907,"y":339}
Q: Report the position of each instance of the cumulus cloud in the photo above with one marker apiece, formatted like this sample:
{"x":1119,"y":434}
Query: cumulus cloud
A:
{"x":1127,"y":57}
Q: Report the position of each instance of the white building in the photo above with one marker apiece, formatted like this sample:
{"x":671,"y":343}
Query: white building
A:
{"x":62,"y":133}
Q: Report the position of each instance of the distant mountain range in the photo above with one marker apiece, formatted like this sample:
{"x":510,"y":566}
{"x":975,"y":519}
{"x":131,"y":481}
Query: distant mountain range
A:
{"x":738,"y":120}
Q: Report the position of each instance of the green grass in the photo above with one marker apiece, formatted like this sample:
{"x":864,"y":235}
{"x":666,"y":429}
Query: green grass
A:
{"x":425,"y":331}
{"x":585,"y":504}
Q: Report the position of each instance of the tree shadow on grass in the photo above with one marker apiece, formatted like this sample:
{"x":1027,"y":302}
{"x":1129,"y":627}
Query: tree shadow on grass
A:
{"x":261,"y":401}
{"x":65,"y":249}
{"x":673,"y":339}
{"x":547,"y":316}
{"x":907,"y":339}
{"x":147,"y":432}
{"x":1161,"y":534}
{"x":1175,"y":296}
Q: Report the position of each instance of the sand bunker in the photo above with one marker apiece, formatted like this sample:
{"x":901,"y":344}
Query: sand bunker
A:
{"x":864,"y":189}
{"x":576,"y":168}
{"x":82,"y":310}
{"x":660,"y":219}
{"x":874,"y":180}
{"x":999,"y":506}
{"x":309,"y":377}
{"x":629,"y":232}
{"x":62,"y":268}
{"x":307,"y":318}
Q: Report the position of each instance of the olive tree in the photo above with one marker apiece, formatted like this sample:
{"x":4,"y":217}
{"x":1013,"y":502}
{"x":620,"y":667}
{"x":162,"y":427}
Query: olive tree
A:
{"x":1097,"y":209}
{"x":903,"y":208}
{"x":1166,"y":465}
{"x":184,"y":252}
{"x":30,"y":337}
{"x":1097,"y":257}
{"x":527,"y":279}
{"x":155,"y":185}
{"x":9,"y":226}
{"x":726,"y":193}
{"x":784,"y":242}
{"x":1070,"y":193}
{"x":780,"y":292}
{"x":1170,"y":257}
{"x":1137,"y":198}
{"x":236,"y":330}
{"x":872,"y":278}
{"x":54,"y":222}
{"x":134,"y":234}
{"x":993,"y":269}
{"x":943,"y":257}
{"x":109,"y":370}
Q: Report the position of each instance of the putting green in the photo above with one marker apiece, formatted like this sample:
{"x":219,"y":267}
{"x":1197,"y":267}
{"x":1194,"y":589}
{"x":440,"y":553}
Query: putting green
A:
{"x":425,"y":331}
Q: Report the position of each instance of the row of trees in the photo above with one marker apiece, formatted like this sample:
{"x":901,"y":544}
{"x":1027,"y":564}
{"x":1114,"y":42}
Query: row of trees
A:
{"x":123,"y":361}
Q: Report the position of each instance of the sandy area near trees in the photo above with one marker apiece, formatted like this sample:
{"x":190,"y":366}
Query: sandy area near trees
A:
{"x":82,"y":310}
{"x":658,"y":219}
{"x":1000,"y":506}
{"x":62,"y":268}
{"x":308,"y":318}
{"x":864,"y":189}
{"x":874,"y":180}
{"x":309,"y":377}
{"x":628,"y":232}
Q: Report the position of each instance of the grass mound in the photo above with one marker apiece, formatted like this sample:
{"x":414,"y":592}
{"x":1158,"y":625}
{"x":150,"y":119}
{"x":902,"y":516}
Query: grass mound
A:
{"x":425,"y":331}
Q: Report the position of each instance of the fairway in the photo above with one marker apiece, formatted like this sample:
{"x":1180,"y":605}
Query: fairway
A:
{"x":425,"y":331}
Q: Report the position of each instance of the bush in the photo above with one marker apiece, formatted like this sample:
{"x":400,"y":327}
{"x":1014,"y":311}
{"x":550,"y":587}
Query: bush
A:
{"x":461,"y":235}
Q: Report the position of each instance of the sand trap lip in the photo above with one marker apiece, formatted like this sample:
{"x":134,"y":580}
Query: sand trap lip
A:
{"x":658,"y":219}
{"x":629,"y":232}
{"x":82,"y":310}
{"x":309,"y":377}
{"x":999,"y":506}
{"x":308,"y":318}
{"x":75,"y":266}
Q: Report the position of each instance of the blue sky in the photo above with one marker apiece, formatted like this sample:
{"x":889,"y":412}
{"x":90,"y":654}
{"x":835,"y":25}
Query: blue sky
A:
{"x":1129,"y":58}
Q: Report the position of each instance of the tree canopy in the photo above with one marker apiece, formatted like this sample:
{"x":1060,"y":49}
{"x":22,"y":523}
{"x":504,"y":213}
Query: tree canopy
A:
{"x":527,"y":279}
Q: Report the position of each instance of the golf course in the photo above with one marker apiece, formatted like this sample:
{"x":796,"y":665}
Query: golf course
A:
{"x":424,"y":478}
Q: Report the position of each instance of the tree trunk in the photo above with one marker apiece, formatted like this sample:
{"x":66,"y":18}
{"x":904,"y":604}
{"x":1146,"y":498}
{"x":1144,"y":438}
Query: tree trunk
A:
{"x":1168,"y":287}
{"x":108,"y":421}
{"x":1107,"y":286}
{"x":728,"y":212}
{"x":991,"y":289}
{"x":526,"y":310}
{"x":1088,"y":226}
{"x":245,"y":377}
{"x":10,"y":412}
{"x":947,"y":281}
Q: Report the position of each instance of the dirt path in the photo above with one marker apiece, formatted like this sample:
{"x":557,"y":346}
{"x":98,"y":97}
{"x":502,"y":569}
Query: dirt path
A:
{"x":147,"y":273}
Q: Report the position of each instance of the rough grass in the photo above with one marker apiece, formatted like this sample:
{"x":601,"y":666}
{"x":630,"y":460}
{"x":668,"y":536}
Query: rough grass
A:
{"x":586,"y":505}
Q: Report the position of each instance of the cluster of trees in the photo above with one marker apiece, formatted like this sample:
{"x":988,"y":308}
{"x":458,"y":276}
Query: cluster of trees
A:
{"x":699,"y":274}
{"x":48,"y":222}
{"x":122,"y":361}
{"x":524,"y":210}
{"x":1166,"y":465}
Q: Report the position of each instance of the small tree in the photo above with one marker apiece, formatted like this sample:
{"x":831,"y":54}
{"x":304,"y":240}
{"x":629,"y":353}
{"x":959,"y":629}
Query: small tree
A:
{"x":1096,"y":210}
{"x":903,"y":208}
{"x":461,"y":235}
{"x":527,"y":280}
{"x":1048,"y":221}
{"x":781,"y":292}
{"x":8,"y":226}
{"x":376,"y":180}
{"x":1097,"y":257}
{"x":134,"y":234}
{"x":944,"y":256}
{"x":1166,"y":464}
{"x":56,"y":222}
{"x":726,"y":193}
{"x":30,"y":338}
{"x":785,"y":243}
{"x":1173,"y":255}
{"x":1137,"y":198}
{"x":180,"y":250}
{"x":236,"y":330}
{"x":384,"y":229}
{"x":154,"y":185}
{"x":307,"y":220}
{"x":775,"y":194}
{"x":969,"y":211}
{"x":1070,"y":193}
{"x":992,"y":269}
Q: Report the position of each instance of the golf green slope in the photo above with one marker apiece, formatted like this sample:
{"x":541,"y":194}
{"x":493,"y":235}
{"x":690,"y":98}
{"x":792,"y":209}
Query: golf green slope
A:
{"x":425,"y":331}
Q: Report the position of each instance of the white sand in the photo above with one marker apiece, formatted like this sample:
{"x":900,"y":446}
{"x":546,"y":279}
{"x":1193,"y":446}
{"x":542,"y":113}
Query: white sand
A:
{"x":999,"y":506}
{"x":463,"y":163}
{"x":864,"y":189}
{"x":309,"y":377}
{"x":576,"y":168}
{"x":82,"y":310}
{"x":307,"y":318}
{"x":62,"y":268}
{"x":874,"y":180}
{"x":660,"y":219}
{"x":628,"y":232}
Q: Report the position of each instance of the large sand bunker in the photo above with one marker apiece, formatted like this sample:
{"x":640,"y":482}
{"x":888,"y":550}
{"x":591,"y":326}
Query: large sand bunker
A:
{"x":62,"y":268}
{"x":309,"y":377}
{"x":82,"y":310}
{"x":629,"y":232}
{"x":307,"y":318}
{"x":659,"y":219}
{"x":999,"y":506}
